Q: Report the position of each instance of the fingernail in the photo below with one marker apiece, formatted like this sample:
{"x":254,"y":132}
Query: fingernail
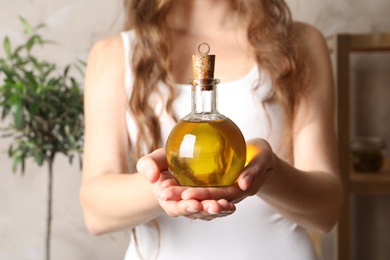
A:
{"x":247,"y":182}
{"x":210,"y":211}
{"x":248,"y":179}
{"x":149,"y":172}
{"x":192,"y":210}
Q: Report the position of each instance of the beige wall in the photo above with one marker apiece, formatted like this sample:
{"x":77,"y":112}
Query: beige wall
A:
{"x":76,"y":24}
{"x":336,"y":16}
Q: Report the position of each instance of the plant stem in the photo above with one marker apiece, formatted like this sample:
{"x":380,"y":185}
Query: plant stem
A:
{"x":49,"y":207}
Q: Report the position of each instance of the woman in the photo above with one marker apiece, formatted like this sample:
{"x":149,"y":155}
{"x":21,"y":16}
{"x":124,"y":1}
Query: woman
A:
{"x":277,"y":74}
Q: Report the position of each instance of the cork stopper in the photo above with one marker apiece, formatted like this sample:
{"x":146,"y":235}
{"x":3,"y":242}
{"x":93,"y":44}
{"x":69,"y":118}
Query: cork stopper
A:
{"x":203,"y":63}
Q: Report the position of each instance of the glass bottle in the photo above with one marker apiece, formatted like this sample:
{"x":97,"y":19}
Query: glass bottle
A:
{"x":205,"y":148}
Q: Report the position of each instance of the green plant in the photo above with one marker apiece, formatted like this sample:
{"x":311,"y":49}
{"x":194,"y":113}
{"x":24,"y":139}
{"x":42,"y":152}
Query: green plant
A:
{"x":43,"y":108}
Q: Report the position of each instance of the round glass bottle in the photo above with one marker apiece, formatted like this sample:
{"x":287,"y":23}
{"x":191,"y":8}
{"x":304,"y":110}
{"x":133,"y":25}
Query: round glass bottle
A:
{"x":205,"y":148}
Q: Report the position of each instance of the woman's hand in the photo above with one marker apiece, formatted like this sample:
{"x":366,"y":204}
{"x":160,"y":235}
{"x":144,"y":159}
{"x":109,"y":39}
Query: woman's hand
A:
{"x":260,"y":165}
{"x":170,"y":194}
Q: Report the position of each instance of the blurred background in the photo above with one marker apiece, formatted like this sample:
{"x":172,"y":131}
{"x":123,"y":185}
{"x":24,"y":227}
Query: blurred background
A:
{"x":75,"y":25}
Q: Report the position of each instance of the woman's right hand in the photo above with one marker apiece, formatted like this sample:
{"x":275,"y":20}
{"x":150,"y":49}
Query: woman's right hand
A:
{"x":169,"y":193}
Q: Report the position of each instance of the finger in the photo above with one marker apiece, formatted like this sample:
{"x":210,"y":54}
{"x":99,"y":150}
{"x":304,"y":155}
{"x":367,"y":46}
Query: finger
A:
{"x":248,"y":176}
{"x":211,"y":217}
{"x":167,"y":188}
{"x":208,"y":217}
{"x":227,"y":206}
{"x":260,"y":162}
{"x":253,"y":175}
{"x":151,"y":164}
{"x":213,"y":193}
{"x":166,"y":179}
{"x":213,"y":209}
{"x":217,"y":207}
{"x":172,"y":193}
{"x":246,"y":180}
{"x":181,"y":208}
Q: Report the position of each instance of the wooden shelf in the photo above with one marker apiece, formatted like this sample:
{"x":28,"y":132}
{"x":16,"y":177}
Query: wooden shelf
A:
{"x":371,"y":182}
{"x":362,"y":42}
{"x":342,"y":46}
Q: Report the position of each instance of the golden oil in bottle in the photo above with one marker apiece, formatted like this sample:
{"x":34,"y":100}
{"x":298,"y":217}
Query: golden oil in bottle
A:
{"x":206,"y":153}
{"x":205,"y":148}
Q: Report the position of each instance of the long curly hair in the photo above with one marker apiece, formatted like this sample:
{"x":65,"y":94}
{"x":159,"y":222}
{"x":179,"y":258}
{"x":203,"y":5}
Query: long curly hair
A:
{"x":270,"y":31}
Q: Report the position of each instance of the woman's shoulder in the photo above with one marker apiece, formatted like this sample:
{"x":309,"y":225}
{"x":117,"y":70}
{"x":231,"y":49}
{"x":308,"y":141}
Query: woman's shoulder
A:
{"x":107,"y":46}
{"x":113,"y":48}
{"x":310,"y":37}
{"x":106,"y":54}
{"x":105,"y":63}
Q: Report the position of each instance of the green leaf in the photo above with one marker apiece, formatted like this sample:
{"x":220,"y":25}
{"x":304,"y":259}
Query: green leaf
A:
{"x":45,"y":73}
{"x":47,"y":147}
{"x":18,"y":49}
{"x":7,"y":47}
{"x":40,"y":40}
{"x":38,"y":157}
{"x":16,"y":163}
{"x":30,"y":145}
{"x":54,"y":99}
{"x":39,"y":26}
{"x":20,"y":87}
{"x":26,"y":25}
{"x":82,"y":62}
{"x":4,"y":113}
{"x":32,"y":81}
{"x":70,"y":158}
{"x":17,"y":110}
{"x":9,"y":75}
{"x":10,"y":150}
{"x":80,"y":162}
{"x":19,"y":159}
{"x":74,"y":82}
{"x":80,"y":67}
{"x":66,"y":71}
{"x":39,"y":89}
{"x":30,"y":43}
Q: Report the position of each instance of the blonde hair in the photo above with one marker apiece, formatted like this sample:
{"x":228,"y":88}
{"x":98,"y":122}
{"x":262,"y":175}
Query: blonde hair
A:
{"x":151,"y":65}
{"x":270,"y":32}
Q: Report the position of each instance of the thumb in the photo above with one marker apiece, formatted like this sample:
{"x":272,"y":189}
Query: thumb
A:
{"x":152,"y":164}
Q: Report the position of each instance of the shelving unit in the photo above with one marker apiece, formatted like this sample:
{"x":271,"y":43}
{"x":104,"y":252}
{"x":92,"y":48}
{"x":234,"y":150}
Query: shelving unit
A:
{"x":342,"y":46}
{"x":372,"y":182}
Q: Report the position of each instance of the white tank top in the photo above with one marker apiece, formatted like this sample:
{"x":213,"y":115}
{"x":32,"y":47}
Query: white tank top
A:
{"x":255,"y":231}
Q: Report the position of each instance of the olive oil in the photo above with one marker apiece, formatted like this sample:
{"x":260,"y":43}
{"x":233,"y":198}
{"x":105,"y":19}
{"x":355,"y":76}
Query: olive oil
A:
{"x":205,"y":148}
{"x":206,"y":153}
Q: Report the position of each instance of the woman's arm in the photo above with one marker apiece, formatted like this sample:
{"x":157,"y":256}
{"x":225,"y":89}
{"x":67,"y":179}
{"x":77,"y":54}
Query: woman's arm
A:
{"x":111,"y":198}
{"x":310,"y":193}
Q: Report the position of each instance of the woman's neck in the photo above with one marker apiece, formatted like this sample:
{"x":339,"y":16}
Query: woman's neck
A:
{"x":216,"y":22}
{"x":203,"y":17}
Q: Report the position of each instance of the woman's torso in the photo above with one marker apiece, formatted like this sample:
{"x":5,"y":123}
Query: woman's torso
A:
{"x":255,"y":230}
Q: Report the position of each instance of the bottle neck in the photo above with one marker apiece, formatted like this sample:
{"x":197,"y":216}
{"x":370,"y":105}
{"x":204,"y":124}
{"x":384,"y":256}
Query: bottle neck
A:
{"x":204,"y":96}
